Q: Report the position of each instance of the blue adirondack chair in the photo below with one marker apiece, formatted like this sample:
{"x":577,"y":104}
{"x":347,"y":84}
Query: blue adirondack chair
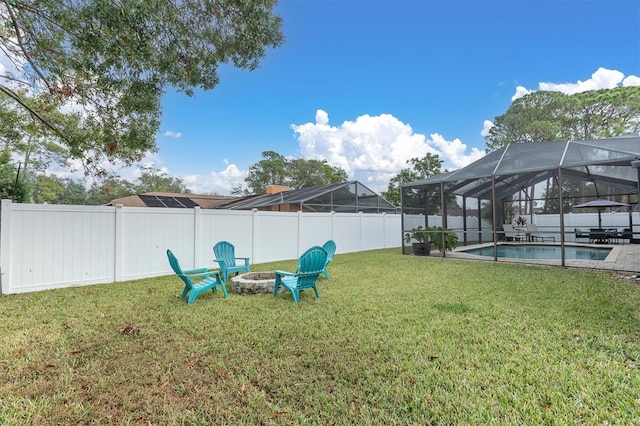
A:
{"x":225,"y":254}
{"x":330,"y":248}
{"x":310,"y":265}
{"x":210,"y":282}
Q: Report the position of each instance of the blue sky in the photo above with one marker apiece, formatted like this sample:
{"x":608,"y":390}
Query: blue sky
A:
{"x":368,"y":84}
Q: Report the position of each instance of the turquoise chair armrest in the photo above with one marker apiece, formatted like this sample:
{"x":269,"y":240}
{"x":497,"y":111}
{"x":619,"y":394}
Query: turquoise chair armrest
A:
{"x":285,"y":273}
{"x":244,"y":259}
{"x":206,"y":274}
{"x":190,"y":271}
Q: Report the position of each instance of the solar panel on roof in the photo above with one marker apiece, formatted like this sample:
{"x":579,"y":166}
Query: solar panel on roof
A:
{"x":167,"y":201}
{"x":187,"y":202}
{"x":151,"y":201}
{"x":171,"y":202}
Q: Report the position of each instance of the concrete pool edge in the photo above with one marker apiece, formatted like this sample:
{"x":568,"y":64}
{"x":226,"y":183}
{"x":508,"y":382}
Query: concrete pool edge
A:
{"x":611,"y":256}
{"x":623,"y":257}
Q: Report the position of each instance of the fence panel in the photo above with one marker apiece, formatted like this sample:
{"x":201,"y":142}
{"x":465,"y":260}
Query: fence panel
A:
{"x":347,"y":233}
{"x":147,"y":233}
{"x":45,"y":246}
{"x":315,"y":230}
{"x":57,"y":247}
{"x":233,"y":226}
{"x":276,"y":236}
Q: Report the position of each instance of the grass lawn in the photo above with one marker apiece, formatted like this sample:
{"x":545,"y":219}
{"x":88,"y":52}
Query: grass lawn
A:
{"x":392,"y":340}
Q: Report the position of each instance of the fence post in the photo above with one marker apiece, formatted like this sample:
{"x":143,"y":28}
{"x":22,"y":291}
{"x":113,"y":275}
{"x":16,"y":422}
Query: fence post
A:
{"x":384,"y":229}
{"x":117,"y":249}
{"x":333,"y":218}
{"x":361,"y":233}
{"x":5,"y":248}
{"x":196,"y":236}
{"x":254,"y":240}
{"x":298,"y":244}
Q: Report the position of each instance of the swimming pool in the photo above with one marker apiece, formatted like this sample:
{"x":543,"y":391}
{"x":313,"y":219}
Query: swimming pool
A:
{"x":533,"y":251}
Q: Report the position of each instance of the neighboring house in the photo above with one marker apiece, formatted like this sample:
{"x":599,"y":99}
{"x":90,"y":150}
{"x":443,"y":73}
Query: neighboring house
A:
{"x":167,"y":199}
{"x":350,"y":197}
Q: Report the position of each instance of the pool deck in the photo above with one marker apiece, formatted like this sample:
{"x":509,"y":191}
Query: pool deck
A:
{"x":623,"y":258}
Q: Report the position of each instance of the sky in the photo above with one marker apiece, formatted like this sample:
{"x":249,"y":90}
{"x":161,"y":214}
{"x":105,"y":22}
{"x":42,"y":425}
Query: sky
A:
{"x":369,"y":84}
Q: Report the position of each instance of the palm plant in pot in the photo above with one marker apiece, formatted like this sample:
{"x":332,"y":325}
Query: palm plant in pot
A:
{"x":448,"y":241}
{"x":419,"y":239}
{"x":423,"y":239}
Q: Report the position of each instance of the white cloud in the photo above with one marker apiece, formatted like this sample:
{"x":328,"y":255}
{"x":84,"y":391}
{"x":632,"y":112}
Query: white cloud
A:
{"x":603,"y":78}
{"x":373,"y":149}
{"x":520,"y":92}
{"x":486,"y":127}
{"x":631,"y":80}
{"x":221,"y":182}
{"x":171,"y":134}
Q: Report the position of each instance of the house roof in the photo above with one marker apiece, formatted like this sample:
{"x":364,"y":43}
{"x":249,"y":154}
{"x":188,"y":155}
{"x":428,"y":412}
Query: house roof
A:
{"x":173,"y":200}
{"x":343,"y":196}
{"x":519,"y":165}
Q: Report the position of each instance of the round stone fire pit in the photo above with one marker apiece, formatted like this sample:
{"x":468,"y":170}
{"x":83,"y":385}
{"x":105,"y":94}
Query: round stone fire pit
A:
{"x":253,"y":283}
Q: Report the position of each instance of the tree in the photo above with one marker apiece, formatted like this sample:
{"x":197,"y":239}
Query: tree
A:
{"x":275,"y":169}
{"x":13,"y":184}
{"x":421,"y":168}
{"x":553,"y":116}
{"x":112,"y":187}
{"x":154,"y":180}
{"x":91,"y":73}
{"x":271,"y":170}
{"x":54,"y":190}
{"x":301,"y":173}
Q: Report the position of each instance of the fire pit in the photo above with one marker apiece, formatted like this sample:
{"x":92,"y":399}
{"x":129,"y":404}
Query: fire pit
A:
{"x":253,"y":283}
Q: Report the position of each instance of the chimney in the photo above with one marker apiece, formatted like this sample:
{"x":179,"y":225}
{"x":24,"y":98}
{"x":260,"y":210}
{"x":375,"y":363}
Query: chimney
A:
{"x":275,"y":189}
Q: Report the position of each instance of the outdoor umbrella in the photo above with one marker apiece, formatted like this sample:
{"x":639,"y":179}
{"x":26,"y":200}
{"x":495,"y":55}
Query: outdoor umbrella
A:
{"x":600,"y":204}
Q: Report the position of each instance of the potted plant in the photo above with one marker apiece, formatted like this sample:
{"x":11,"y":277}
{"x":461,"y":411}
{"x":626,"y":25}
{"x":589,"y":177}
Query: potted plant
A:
{"x":448,"y":243}
{"x":424,"y":238}
{"x":419,"y":239}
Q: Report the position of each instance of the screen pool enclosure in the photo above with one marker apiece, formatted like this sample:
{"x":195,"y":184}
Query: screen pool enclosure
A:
{"x":476,"y":200}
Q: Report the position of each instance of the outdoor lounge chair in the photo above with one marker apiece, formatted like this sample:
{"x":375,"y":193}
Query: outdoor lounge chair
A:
{"x":210,"y":282}
{"x":535,"y":235}
{"x":226,"y":258}
{"x":310,"y":265}
{"x":330,"y":248}
{"x":510,"y":234}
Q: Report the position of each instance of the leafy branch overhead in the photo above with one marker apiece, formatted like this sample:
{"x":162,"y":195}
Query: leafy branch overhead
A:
{"x":91,"y":74}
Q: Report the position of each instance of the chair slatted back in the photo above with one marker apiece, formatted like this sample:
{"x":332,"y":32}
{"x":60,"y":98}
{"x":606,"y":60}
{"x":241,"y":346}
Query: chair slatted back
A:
{"x":310,"y":265}
{"x":226,"y":252}
{"x":330,"y":248}
{"x":175,"y":265}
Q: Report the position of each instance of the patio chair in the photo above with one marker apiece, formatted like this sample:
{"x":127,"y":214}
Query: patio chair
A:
{"x":510,"y":234}
{"x":330,"y":248}
{"x":535,"y":235}
{"x":210,"y":282}
{"x":310,"y":265}
{"x":226,"y":258}
{"x":580,"y":234}
{"x":598,"y":235}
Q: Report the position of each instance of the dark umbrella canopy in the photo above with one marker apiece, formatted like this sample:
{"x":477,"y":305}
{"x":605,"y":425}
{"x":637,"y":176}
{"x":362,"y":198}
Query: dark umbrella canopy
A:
{"x":600,"y":204}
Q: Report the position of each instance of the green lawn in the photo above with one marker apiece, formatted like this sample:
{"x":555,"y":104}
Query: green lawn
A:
{"x":392,"y":340}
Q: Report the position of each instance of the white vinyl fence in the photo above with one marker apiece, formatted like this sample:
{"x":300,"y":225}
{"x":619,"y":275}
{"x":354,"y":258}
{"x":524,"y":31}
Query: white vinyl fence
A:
{"x":54,"y":246}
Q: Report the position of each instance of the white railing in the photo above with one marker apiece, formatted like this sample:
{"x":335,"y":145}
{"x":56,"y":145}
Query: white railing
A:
{"x":54,"y":246}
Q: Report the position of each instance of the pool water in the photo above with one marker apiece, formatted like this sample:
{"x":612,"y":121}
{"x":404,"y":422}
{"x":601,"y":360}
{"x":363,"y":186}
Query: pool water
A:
{"x":529,"y":251}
